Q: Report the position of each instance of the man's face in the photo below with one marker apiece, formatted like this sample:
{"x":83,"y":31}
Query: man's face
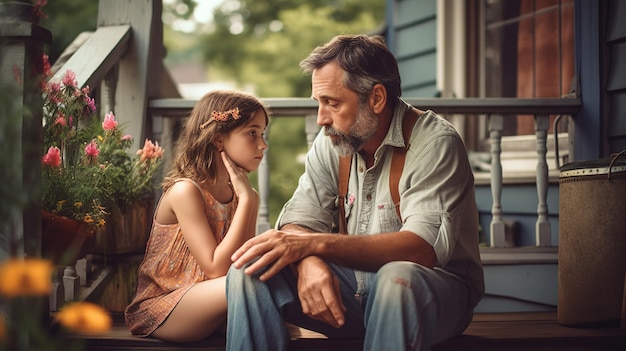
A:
{"x":347,"y":122}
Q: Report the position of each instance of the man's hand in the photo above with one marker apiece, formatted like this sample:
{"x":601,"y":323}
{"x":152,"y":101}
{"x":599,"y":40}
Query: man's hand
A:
{"x":276,"y":249}
{"x":318,"y":290}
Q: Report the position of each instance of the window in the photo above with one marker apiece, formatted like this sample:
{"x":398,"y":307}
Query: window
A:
{"x":528,"y":51}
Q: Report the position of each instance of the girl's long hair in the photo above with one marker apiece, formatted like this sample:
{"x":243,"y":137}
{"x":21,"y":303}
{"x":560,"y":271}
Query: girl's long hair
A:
{"x":195,"y":151}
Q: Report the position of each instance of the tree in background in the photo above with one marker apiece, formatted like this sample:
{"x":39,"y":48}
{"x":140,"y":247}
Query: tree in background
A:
{"x":262,"y":42}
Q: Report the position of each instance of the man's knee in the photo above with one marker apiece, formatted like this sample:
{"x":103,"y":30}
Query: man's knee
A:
{"x":402,"y":277}
{"x":236,"y":279}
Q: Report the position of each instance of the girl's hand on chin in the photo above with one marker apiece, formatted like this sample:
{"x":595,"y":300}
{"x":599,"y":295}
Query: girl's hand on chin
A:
{"x":238,"y":177}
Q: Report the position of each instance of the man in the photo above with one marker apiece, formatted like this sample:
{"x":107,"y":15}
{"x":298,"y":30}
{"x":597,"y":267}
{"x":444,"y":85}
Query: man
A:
{"x":402,"y":280}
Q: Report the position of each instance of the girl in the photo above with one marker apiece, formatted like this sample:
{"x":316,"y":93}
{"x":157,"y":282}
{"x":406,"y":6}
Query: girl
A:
{"x":208,"y":209}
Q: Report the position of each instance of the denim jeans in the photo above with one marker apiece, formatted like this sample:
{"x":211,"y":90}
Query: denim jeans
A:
{"x":408,"y":307}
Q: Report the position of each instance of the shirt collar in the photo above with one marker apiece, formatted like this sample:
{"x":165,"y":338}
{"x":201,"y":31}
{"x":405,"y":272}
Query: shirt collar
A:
{"x":394,"y":136}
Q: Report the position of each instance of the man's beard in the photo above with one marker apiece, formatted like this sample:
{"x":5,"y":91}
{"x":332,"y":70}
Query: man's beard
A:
{"x":364,"y":126}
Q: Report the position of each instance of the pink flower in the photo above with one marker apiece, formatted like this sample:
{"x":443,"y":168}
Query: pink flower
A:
{"x":53,"y":157}
{"x":60,"y":120}
{"x":91,"y":149}
{"x":53,"y":90}
{"x":37,"y":11}
{"x":109,"y":123}
{"x":158,"y":151}
{"x":150,"y":150}
{"x":91,"y":103}
{"x":351,"y":199}
{"x":46,"y":65}
{"x":126,"y":137}
{"x":69,"y":79}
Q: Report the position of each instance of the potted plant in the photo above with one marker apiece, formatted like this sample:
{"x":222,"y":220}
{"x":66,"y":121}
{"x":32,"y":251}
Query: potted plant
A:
{"x":75,"y":185}
{"x":90,"y":179}
{"x":132,"y":178}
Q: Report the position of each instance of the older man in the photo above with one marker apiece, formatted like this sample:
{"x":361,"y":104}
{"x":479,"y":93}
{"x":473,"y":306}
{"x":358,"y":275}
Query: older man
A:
{"x":408,"y":274}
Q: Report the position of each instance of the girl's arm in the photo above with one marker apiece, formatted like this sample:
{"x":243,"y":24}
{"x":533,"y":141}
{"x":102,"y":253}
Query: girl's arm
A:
{"x":187,"y":205}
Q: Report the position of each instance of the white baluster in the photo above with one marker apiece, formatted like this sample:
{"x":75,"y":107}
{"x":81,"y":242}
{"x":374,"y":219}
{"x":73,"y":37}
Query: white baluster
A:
{"x":263,"y":218}
{"x":542,"y":227}
{"x":497,"y":228}
{"x":71,"y":283}
{"x":311,"y":128}
{"x":83,"y":269}
{"x":57,"y":291}
{"x":108,"y":86}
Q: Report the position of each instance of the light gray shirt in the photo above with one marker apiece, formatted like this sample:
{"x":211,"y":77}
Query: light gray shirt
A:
{"x":436,"y":189}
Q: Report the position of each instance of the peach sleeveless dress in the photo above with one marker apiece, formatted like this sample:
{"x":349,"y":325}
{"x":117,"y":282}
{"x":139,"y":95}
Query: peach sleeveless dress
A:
{"x":168,"y":269}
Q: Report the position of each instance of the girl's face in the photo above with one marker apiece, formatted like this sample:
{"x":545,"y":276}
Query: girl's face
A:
{"x":245,"y":145}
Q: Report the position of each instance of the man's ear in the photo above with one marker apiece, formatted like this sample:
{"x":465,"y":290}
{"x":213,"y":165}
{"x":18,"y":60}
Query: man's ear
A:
{"x":378,"y":98}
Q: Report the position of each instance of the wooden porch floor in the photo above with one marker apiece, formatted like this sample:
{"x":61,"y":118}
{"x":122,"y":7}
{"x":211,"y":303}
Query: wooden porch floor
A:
{"x":506,"y":331}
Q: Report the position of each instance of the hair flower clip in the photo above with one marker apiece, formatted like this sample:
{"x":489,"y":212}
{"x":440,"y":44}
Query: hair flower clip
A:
{"x":223,"y":116}
{"x":220,"y":116}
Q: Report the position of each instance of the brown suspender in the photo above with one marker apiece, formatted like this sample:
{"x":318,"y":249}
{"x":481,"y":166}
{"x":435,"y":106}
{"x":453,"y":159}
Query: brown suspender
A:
{"x":397,"y":164}
{"x":344,"y":175}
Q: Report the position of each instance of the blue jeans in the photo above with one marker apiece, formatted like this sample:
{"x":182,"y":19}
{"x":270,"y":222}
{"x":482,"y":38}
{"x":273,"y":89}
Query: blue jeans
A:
{"x":409,"y":307}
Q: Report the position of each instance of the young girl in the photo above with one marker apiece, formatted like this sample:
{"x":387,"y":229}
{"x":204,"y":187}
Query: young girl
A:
{"x":208,"y":209}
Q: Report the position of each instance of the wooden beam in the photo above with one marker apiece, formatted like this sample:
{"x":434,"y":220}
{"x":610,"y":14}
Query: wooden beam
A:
{"x":97,"y":55}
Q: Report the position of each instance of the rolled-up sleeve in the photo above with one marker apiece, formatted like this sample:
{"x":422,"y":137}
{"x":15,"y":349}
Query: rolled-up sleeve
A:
{"x":435,"y":192}
{"x":313,"y":202}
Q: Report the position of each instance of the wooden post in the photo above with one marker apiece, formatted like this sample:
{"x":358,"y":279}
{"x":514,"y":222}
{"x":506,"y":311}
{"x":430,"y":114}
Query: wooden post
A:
{"x":21,"y":61}
{"x":139,"y":70}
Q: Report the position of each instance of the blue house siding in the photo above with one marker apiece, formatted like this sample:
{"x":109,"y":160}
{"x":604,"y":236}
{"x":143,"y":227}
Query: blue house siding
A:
{"x":616,"y":75}
{"x":412,"y":37}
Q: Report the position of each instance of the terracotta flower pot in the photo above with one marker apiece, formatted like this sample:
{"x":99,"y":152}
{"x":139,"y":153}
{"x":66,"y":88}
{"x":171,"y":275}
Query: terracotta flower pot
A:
{"x":62,"y":238}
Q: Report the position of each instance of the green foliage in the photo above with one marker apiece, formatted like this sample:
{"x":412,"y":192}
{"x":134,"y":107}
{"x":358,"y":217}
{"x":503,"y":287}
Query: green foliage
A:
{"x":267,"y":55}
{"x":65,"y":19}
{"x":277,"y":35}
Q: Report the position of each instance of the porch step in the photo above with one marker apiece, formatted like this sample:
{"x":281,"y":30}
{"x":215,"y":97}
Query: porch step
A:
{"x":490,"y":332}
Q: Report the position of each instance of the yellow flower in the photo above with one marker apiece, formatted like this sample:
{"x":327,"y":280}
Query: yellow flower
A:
{"x":85,"y":318}
{"x":78,"y":204}
{"x":88,"y":218}
{"x":31,"y":276}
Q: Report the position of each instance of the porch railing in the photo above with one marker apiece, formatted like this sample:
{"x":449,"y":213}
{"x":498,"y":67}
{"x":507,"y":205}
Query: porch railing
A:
{"x":495,"y":110}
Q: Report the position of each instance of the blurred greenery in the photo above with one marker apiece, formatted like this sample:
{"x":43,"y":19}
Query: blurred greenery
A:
{"x":65,"y":19}
{"x":253,"y":43}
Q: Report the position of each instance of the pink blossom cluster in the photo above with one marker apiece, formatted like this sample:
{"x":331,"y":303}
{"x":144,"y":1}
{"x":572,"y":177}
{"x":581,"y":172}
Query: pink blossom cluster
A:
{"x":150,"y":150}
{"x":63,"y":95}
{"x":92,"y":150}
{"x":53,"y":157}
{"x":109,"y":122}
